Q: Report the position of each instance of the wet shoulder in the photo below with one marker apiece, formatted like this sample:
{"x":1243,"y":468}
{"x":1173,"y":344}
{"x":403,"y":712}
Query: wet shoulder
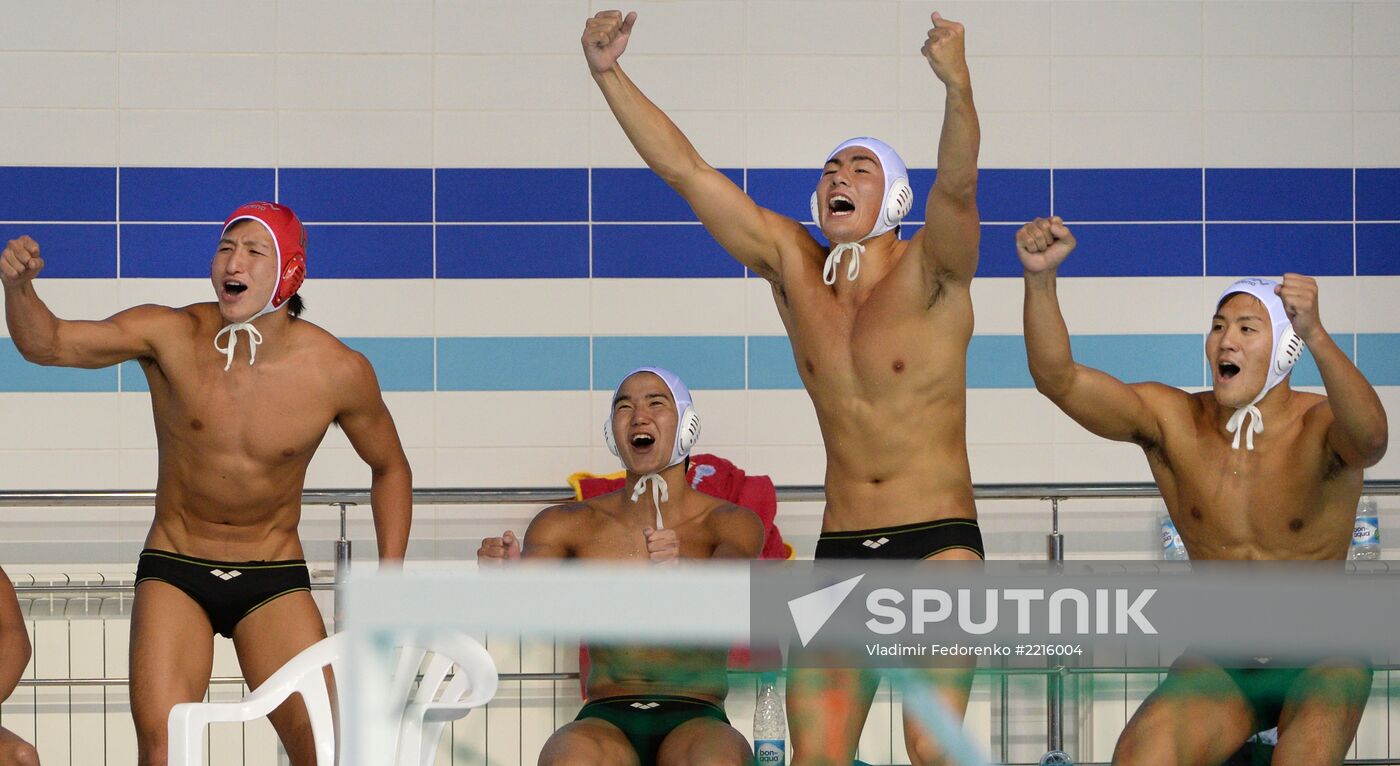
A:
{"x":567,"y":517}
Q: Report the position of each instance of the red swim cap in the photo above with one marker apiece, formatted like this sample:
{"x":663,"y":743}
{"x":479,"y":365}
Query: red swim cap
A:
{"x":290,"y":238}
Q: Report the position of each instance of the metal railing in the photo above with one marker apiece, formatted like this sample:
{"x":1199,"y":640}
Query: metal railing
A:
{"x":345,"y":498}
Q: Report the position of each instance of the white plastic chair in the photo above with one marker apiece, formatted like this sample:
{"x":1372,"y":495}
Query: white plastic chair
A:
{"x":432,"y":705}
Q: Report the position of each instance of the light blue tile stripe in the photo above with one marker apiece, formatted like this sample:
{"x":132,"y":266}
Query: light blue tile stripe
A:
{"x":513,"y":364}
{"x":401,"y":364}
{"x":713,"y":362}
{"x":19,"y":376}
{"x":1380,"y":357}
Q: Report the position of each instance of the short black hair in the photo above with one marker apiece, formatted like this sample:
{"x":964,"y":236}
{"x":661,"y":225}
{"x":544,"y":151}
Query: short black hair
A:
{"x":295,"y":305}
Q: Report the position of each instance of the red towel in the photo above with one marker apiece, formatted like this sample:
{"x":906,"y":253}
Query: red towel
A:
{"x":719,"y":478}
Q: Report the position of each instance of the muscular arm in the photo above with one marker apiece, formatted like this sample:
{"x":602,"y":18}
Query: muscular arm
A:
{"x":949,"y":240}
{"x":1104,"y":405}
{"x":43,"y":338}
{"x":370,"y":428}
{"x":1358,"y":432}
{"x":549,"y":534}
{"x":14,"y":639}
{"x":748,"y":232}
{"x":738,"y":532}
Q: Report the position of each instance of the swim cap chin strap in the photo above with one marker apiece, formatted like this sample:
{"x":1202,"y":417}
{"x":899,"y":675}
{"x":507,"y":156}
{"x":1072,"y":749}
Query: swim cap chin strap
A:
{"x":659,"y":493}
{"x":833,"y":259}
{"x":254,"y":340}
{"x":1287,"y":348}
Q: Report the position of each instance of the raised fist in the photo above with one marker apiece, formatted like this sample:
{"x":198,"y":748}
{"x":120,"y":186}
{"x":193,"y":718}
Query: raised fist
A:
{"x":495,"y":550}
{"x":605,"y":38}
{"x":1043,"y":244}
{"x":1299,"y":296}
{"x":663,"y":547}
{"x":945,"y":53}
{"x":20,"y":262}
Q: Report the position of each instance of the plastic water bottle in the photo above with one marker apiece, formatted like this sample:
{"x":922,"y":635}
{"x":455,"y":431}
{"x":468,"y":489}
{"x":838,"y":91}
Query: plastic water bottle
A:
{"x":1366,"y":533}
{"x":1056,"y":758}
{"x":769,"y":725}
{"x":1172,"y":547}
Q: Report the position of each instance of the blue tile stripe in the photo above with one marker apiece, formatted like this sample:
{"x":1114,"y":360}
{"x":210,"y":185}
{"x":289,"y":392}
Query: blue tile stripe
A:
{"x":765,"y":362}
{"x":626,"y":222}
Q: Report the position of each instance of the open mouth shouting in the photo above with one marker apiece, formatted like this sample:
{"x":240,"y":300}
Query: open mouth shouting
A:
{"x":840,"y":206}
{"x":231,"y":289}
{"x":642,"y":443}
{"x":1226,"y":370}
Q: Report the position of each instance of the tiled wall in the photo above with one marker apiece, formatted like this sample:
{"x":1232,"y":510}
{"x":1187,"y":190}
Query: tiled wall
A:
{"x":482,"y":230}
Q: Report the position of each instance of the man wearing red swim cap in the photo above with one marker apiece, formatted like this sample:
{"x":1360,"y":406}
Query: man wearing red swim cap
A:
{"x":243,"y":392}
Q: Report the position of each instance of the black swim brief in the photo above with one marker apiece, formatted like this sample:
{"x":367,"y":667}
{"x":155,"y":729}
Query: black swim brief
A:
{"x":646,"y":719}
{"x":920,"y":540}
{"x":227,"y":591}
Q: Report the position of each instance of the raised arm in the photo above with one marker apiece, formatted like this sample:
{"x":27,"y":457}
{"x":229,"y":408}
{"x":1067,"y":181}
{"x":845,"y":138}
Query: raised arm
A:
{"x":43,"y":338}
{"x":750,"y":233}
{"x":1096,"y":400}
{"x":1358,"y":433}
{"x":950,"y":237}
{"x":14,"y":639}
{"x":370,"y":429}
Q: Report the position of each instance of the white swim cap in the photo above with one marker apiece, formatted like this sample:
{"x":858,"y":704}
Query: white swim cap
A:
{"x":1285,"y":352}
{"x":687,"y":434}
{"x":896,"y":203}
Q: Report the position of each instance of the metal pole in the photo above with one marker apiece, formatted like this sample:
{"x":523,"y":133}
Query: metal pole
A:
{"x":342,"y":565}
{"x":1055,"y":680}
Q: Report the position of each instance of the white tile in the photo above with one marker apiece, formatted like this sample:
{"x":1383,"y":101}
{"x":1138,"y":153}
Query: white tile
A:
{"x":1338,"y":301}
{"x":1377,"y":83}
{"x":704,"y":26}
{"x":1105,"y":461}
{"x":59,"y":80}
{"x":511,"y":466}
{"x":821,"y":27}
{"x":67,"y":421}
{"x":1126,"y":29}
{"x":515,"y":419}
{"x":724,"y":420}
{"x":337,"y":468}
{"x":1279,"y":139}
{"x":355,"y":139}
{"x":512,"y":307}
{"x":717,"y":136}
{"x":509,"y":26}
{"x":366,"y":26}
{"x":996,"y":305}
{"x":327,"y":81}
{"x":514,"y":82}
{"x":1278,"y":84}
{"x":166,"y":292}
{"x":1114,"y":305}
{"x":66,"y":25}
{"x":175,"y":25}
{"x":687,"y":82}
{"x":368,"y":308}
{"x":780,"y":418}
{"x":763,"y":318}
{"x":1128,"y":140}
{"x":1376,"y":308}
{"x":511,"y":139}
{"x":999,"y":417}
{"x":991,"y":29}
{"x":1374,"y":26}
{"x":649,"y":306}
{"x":999,"y":84}
{"x":1278,"y":28}
{"x":826,"y":82}
{"x":1126,"y":84}
{"x":802,"y":139}
{"x":789,"y":464}
{"x":135,"y":423}
{"x":58,"y":136}
{"x":1377,"y":139}
{"x":1012,"y":139}
{"x":71,"y":298}
{"x":198,"y":138}
{"x":415,"y":417}
{"x":138,"y":469}
{"x":197,"y":81}
{"x":58,"y":469}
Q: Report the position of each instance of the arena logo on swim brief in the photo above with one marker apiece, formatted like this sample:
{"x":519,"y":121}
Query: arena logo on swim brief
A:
{"x":905,"y":614}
